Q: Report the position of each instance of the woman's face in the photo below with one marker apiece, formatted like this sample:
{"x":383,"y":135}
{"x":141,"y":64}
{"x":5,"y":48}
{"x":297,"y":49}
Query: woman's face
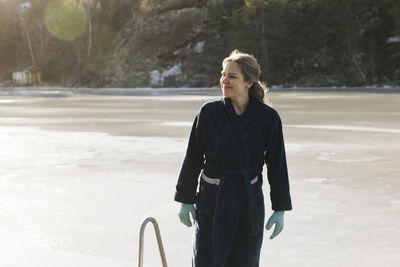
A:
{"x":232,"y":81}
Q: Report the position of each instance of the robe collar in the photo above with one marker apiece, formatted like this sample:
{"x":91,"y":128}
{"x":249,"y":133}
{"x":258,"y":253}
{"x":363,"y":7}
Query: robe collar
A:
{"x":246,"y":115}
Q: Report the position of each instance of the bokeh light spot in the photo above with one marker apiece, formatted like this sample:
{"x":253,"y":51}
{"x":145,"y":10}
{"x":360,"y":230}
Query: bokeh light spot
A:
{"x":65,"y":19}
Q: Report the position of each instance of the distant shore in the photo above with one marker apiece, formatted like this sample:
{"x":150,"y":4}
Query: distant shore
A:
{"x":53,"y":91}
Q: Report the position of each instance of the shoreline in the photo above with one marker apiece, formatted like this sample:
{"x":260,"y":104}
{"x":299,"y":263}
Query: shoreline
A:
{"x":65,"y":91}
{"x":367,"y":89}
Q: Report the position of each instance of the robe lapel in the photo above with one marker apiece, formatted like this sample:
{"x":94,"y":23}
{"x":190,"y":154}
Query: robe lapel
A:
{"x":250,"y":109}
{"x":237,"y":132}
{"x":244,"y":155}
{"x":238,"y":126}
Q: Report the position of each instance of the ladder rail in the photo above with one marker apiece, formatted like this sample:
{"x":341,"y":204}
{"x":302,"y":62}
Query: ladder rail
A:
{"x":159,"y":241}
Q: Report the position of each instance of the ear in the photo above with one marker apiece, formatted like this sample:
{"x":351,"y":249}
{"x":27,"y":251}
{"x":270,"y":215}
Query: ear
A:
{"x":250,"y":84}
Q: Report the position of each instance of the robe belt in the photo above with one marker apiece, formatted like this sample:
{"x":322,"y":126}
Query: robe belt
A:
{"x":253,"y":212}
{"x":216,"y":181}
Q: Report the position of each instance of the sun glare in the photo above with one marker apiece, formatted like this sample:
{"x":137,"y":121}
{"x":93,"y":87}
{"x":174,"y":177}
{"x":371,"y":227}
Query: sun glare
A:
{"x":65,"y":19}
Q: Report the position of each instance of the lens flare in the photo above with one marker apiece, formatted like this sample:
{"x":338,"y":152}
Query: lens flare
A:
{"x":65,"y":19}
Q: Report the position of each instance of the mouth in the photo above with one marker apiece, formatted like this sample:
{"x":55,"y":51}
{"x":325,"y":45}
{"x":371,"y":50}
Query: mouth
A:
{"x":227,"y":87}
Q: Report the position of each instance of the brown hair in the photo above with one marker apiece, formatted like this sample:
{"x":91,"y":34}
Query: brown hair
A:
{"x":251,"y":71}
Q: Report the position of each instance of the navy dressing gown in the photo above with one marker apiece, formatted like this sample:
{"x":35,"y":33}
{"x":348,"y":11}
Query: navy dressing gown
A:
{"x":232,"y":148}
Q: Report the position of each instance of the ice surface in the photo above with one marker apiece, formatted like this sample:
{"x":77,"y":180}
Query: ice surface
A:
{"x":79,"y":174}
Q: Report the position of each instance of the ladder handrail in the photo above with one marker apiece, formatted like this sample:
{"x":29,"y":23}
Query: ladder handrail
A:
{"x":159,"y":241}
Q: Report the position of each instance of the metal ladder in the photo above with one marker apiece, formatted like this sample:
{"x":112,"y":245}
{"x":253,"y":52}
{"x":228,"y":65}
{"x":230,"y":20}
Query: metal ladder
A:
{"x":159,"y":241}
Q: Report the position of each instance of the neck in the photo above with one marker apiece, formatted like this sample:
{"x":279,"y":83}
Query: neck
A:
{"x":240,"y":103}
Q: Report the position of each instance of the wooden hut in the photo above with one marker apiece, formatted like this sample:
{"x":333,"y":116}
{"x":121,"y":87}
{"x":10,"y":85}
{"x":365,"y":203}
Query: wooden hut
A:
{"x":28,"y":76}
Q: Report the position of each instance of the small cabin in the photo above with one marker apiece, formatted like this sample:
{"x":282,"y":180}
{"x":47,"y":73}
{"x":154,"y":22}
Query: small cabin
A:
{"x":28,"y":76}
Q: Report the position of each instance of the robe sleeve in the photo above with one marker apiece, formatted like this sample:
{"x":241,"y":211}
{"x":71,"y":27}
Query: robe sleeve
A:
{"x":192,"y":165}
{"x":277,"y":172}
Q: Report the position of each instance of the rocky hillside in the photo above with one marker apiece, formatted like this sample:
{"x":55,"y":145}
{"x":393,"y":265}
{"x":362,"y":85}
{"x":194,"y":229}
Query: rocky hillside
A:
{"x":176,"y":44}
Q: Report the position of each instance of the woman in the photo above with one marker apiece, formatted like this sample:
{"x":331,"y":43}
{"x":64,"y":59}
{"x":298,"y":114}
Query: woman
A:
{"x":229,"y":142}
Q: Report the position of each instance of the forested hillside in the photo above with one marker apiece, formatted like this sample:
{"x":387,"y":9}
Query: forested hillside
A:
{"x":159,"y":43}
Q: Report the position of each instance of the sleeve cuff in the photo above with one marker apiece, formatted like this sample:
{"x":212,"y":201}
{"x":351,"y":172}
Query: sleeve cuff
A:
{"x":281,"y":202}
{"x":182,"y":197}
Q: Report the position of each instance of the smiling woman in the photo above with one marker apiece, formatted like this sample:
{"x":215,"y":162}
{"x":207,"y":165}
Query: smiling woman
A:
{"x":229,"y":143}
{"x":65,"y":19}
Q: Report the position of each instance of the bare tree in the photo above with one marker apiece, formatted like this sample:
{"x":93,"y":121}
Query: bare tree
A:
{"x":28,"y":37}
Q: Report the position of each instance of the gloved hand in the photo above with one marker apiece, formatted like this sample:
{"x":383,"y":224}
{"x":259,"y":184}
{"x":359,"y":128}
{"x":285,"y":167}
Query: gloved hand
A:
{"x":184,"y":214}
{"x":277,"y":218}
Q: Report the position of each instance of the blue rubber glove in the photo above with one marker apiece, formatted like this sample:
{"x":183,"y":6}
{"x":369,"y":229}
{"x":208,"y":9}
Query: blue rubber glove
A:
{"x":184,"y":214}
{"x":277,"y":218}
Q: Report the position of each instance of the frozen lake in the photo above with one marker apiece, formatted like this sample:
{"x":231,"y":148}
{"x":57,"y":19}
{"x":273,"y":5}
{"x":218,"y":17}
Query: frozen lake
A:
{"x":79,"y":173}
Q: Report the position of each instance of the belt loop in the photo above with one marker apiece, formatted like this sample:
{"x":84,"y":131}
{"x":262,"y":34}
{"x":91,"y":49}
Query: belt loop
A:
{"x":215,"y":181}
{"x":255,"y":179}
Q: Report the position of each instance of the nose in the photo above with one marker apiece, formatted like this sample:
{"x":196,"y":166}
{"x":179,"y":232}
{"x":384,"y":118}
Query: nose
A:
{"x":225,"y":79}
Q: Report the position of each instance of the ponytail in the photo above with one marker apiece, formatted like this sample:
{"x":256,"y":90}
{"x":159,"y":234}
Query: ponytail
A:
{"x":259,"y":91}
